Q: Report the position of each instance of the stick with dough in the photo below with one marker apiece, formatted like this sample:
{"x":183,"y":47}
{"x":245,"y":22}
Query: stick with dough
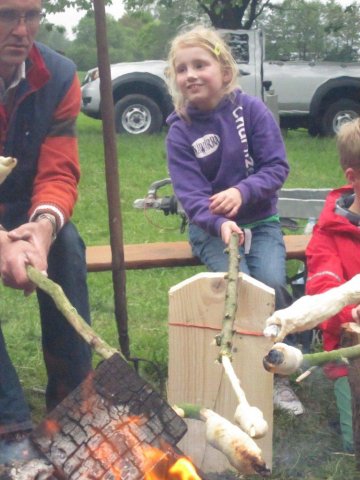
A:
{"x":310,"y":310}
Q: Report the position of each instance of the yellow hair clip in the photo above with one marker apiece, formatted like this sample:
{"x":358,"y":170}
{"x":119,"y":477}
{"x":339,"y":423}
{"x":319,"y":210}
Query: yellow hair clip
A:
{"x":217,"y":49}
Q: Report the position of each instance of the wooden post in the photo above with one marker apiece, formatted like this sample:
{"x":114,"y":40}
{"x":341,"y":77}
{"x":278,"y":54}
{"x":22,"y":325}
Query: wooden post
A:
{"x":196,"y":308}
{"x":112,"y":179}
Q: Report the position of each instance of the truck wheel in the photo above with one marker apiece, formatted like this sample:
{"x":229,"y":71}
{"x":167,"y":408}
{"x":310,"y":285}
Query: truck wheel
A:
{"x":337,"y":114}
{"x":137,"y":114}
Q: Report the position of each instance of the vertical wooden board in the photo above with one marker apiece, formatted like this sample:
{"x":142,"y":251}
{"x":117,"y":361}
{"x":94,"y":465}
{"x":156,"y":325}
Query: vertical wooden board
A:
{"x":196,"y":310}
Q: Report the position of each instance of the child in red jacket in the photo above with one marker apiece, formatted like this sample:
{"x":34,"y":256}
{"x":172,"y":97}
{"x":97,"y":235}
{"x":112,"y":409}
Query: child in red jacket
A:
{"x":333,"y":258}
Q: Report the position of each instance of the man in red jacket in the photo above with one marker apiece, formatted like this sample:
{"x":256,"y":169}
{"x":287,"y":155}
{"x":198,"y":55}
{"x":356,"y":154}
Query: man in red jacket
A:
{"x":39,"y":103}
{"x":333,"y":258}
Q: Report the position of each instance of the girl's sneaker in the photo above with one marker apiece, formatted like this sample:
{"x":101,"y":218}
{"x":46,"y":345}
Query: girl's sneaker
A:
{"x":285,"y":398}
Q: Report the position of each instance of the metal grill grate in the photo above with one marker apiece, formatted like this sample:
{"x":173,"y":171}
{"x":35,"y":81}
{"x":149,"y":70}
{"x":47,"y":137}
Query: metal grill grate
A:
{"x":104,"y":427}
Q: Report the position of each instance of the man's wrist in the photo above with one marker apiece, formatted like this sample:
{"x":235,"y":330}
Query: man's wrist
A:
{"x":50,"y":218}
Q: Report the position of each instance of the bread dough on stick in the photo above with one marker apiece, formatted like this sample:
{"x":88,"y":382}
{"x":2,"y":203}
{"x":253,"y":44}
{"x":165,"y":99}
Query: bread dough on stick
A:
{"x":310,"y":310}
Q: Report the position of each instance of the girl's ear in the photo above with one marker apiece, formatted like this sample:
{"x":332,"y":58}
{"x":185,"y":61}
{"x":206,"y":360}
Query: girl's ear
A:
{"x":227,"y":76}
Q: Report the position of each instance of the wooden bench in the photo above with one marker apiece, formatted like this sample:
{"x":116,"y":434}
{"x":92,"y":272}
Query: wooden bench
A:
{"x":170,"y":254}
{"x":298,"y":203}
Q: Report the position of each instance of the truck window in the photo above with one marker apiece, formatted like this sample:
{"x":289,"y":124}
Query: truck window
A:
{"x":239,"y":44}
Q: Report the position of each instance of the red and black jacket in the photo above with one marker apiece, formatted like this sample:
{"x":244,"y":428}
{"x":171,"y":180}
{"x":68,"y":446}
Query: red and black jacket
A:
{"x":39,"y":131}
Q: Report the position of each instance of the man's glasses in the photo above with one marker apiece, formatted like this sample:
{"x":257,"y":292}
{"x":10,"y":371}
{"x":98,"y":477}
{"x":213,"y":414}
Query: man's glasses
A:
{"x":11,"y":18}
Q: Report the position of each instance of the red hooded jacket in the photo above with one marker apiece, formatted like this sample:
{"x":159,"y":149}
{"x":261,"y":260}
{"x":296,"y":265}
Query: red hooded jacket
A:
{"x":333,"y":258}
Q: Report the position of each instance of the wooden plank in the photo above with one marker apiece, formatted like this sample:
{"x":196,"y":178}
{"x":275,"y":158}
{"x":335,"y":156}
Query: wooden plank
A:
{"x":302,"y":202}
{"x":195,"y":317}
{"x":142,"y":256}
{"x":305,"y":193}
{"x":295,"y":246}
{"x":170,"y":254}
{"x":295,"y":208}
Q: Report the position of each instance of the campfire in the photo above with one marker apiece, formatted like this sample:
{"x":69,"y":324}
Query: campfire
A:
{"x":122,"y":429}
{"x":112,"y":427}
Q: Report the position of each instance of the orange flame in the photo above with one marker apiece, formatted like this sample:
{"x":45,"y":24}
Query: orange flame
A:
{"x":51,"y":427}
{"x":157,"y":463}
{"x":183,"y":469}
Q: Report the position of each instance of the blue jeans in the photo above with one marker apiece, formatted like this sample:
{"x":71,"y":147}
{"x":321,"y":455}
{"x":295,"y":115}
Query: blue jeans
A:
{"x":264,"y":262}
{"x":67,"y":357}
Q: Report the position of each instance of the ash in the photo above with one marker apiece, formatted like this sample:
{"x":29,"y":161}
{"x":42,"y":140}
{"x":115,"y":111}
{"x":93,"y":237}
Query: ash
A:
{"x":35,"y":469}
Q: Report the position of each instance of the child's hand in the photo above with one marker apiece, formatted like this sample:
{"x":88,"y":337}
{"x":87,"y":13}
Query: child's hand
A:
{"x":227,"y":202}
{"x":227,"y":228}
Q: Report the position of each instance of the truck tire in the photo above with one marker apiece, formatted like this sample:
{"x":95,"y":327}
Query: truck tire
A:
{"x":338,"y":113}
{"x":137,"y":114}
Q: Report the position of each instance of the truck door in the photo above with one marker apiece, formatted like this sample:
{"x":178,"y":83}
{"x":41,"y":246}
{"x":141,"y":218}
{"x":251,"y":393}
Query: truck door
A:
{"x":247,"y":47}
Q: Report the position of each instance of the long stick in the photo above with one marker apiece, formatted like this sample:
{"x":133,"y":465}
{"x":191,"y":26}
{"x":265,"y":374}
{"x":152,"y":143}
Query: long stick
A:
{"x":65,"y":307}
{"x":225,"y":338}
{"x":321,"y":358}
{"x":112,"y":179}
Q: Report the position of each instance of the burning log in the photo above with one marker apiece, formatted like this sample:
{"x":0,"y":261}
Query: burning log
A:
{"x":238,"y":447}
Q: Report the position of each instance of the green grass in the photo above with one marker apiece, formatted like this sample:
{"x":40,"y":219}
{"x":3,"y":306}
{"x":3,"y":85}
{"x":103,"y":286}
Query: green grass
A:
{"x":303,"y":447}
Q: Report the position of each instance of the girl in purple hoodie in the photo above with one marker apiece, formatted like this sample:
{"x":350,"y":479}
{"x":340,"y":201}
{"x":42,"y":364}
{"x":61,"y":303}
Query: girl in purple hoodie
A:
{"x":227,"y":161}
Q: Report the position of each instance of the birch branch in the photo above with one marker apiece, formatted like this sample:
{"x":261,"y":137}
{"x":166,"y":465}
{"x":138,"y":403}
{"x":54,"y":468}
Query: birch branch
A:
{"x":224,"y":340}
{"x":70,"y":313}
{"x":249,"y":418}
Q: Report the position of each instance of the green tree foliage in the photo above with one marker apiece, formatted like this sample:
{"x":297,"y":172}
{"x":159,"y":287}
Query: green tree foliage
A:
{"x":342,"y":31}
{"x":221,"y":13}
{"x":83,"y":50}
{"x":310,"y":30}
{"x":54,"y":6}
{"x":135,"y":37}
{"x":53,"y":37}
{"x":299,"y":29}
{"x":293,"y":29}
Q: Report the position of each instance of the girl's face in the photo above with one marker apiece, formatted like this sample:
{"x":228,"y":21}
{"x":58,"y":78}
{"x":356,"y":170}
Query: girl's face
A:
{"x":199,"y":77}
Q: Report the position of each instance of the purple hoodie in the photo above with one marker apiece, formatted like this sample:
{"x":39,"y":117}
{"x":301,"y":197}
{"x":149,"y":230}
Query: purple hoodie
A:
{"x":212,"y":153}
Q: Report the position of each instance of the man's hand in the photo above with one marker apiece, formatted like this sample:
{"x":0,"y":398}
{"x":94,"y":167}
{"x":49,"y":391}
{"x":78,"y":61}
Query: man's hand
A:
{"x":227,"y":228}
{"x":227,"y":202}
{"x":28,"y":244}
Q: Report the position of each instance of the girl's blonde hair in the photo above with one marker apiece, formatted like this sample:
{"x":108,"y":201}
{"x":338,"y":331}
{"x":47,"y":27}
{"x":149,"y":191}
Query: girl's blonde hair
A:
{"x":348,"y":144}
{"x":210,"y":40}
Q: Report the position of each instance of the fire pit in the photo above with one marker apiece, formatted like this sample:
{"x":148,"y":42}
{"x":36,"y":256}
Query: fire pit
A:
{"x":112,"y":427}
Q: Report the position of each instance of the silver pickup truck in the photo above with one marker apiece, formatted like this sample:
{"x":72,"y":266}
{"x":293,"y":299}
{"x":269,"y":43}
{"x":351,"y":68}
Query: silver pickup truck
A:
{"x":319,"y":96}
